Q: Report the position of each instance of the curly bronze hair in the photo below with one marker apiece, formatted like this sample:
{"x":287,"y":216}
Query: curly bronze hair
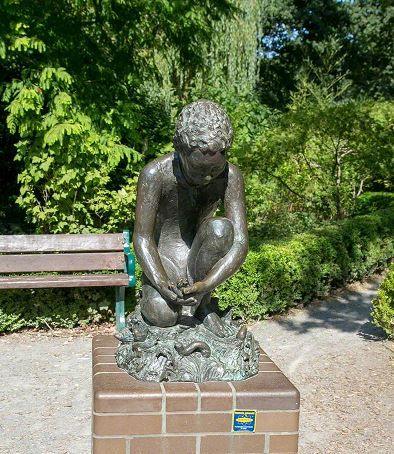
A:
{"x":203,"y":124}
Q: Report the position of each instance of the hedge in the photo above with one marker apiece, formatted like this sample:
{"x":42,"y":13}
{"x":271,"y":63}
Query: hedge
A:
{"x":52,"y":308}
{"x":282,"y":274}
{"x":275,"y":276}
{"x":383,"y":305}
{"x":373,"y":201}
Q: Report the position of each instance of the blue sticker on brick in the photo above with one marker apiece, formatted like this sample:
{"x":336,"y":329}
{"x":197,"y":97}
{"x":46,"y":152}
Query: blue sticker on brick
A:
{"x":244,"y":420}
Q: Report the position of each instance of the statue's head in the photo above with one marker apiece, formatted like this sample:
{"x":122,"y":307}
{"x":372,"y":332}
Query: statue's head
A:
{"x":203,"y":134}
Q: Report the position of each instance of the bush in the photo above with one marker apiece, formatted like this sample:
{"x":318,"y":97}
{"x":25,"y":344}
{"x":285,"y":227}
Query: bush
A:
{"x":57,"y":308}
{"x":281,"y":274}
{"x":373,"y":201}
{"x":383,"y":305}
{"x":274,"y":277}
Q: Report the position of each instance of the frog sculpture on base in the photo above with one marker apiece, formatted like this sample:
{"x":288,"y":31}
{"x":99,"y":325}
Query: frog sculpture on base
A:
{"x":185,"y":252}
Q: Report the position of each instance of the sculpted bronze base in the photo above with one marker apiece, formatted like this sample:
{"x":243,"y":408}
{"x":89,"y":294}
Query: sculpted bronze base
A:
{"x":187,"y":351}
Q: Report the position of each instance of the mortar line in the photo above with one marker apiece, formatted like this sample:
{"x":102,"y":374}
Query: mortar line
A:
{"x":198,"y":397}
{"x":266,"y":444}
{"x":234,"y":394}
{"x":189,"y":434}
{"x":198,"y":444}
{"x":163,"y":409}
{"x":185,"y":412}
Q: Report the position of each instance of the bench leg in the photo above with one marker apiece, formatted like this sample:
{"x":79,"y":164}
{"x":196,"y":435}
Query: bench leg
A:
{"x":120,"y":315}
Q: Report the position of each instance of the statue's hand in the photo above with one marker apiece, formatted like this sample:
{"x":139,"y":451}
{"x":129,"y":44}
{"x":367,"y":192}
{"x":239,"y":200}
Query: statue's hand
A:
{"x":168,"y":290}
{"x":195,"y":289}
{"x":192,"y":301}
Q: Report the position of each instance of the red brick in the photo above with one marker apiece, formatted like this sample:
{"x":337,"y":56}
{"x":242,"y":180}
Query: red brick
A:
{"x":280,"y":421}
{"x":126,"y":407}
{"x":126,"y":425}
{"x":266,"y":391}
{"x":215,"y":396}
{"x":121,"y":393}
{"x":268,"y":367}
{"x":102,"y":340}
{"x":225,"y":444}
{"x":180,"y":397}
{"x":109,"y":446}
{"x":103,"y":359}
{"x":112,"y":368}
{"x":104,"y":351}
{"x":283,"y":444}
{"x":199,"y":422}
{"x":164,"y":445}
{"x":264,"y":358}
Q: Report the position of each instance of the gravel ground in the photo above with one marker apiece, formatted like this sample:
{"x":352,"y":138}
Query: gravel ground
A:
{"x":329,"y":350}
{"x":45,"y":394}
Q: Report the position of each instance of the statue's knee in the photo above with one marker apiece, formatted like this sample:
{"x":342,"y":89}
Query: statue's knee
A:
{"x":158,"y":313}
{"x":220,"y":228}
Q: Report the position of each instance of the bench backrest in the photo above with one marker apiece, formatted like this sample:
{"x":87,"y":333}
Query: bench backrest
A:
{"x":70,"y":252}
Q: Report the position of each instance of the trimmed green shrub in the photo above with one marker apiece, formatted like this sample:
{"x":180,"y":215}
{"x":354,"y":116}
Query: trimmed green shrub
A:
{"x":373,"y":201}
{"x":57,"y":308}
{"x":275,"y":276}
{"x":282,"y":274}
{"x":383,"y":305}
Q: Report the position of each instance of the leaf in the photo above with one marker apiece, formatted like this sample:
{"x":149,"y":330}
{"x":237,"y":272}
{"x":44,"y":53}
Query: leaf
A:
{"x":59,"y":131}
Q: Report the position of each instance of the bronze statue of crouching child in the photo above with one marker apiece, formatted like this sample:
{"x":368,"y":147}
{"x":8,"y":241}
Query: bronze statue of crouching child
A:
{"x":185,"y":251}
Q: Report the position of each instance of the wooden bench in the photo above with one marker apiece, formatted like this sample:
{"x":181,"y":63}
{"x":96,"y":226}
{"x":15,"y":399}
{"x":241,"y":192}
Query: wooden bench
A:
{"x":65,"y":255}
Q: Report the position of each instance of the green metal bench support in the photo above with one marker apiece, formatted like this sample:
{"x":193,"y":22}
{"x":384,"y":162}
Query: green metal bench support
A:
{"x":120,"y":291}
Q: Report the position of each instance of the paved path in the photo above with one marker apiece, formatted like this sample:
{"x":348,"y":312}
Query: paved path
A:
{"x":336,"y":358}
{"x":329,"y":350}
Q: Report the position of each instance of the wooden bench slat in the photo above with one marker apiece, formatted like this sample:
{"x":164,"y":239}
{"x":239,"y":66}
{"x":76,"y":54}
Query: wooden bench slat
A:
{"x":89,"y":261}
{"x":61,"y":243}
{"x":92,"y":280}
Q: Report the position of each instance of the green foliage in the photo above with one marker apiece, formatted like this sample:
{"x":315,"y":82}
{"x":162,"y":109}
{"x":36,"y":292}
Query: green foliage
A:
{"x":69,"y":167}
{"x":87,"y":90}
{"x":373,"y":201}
{"x":322,"y":153}
{"x":370,"y":50}
{"x":383,"y":305}
{"x":281,"y":274}
{"x":54,"y":308}
{"x":271,"y":212}
{"x":276,"y":275}
{"x":90,"y":92}
{"x":249,"y":117}
{"x":294,"y":32}
{"x":57,"y":308}
{"x":232,"y":52}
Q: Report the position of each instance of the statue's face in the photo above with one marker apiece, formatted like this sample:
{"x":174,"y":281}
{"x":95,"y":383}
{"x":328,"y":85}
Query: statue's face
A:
{"x":200,"y":166}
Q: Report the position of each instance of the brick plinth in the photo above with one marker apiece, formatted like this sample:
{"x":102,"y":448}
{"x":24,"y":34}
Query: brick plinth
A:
{"x":130,"y":416}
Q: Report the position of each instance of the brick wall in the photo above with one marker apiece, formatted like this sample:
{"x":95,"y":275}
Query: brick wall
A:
{"x":131,"y":417}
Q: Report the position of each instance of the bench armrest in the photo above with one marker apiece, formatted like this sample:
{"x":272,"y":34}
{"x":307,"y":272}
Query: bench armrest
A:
{"x":129,"y":259}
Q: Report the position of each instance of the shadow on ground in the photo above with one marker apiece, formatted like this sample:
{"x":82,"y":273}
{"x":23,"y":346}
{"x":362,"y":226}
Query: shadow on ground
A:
{"x":346,"y":312}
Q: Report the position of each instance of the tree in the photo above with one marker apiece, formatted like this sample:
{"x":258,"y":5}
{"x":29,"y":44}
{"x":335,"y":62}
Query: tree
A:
{"x":324,"y":152}
{"x":371,"y":48}
{"x":294,"y":30}
{"x":83,"y":99}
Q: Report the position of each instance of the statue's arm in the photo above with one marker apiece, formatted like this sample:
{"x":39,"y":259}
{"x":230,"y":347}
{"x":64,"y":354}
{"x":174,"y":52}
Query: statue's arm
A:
{"x":235,"y":211}
{"x":145,"y":248}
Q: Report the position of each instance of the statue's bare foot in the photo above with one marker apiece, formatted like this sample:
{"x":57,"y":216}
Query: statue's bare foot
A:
{"x":214,"y":323}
